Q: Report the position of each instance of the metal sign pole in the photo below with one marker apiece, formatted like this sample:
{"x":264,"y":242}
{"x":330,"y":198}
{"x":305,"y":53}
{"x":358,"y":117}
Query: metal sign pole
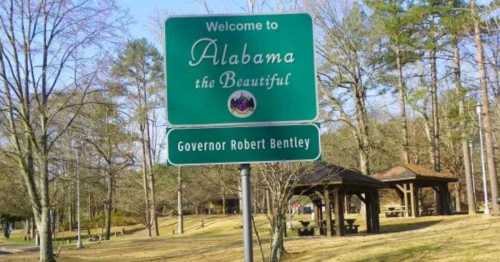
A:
{"x":247,"y":211}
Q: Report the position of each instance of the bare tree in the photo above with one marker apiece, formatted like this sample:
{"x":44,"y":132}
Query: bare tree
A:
{"x":38,"y":39}
{"x":105,"y":134}
{"x":279,"y":179}
{"x":139,"y":69}
{"x":345,"y":74}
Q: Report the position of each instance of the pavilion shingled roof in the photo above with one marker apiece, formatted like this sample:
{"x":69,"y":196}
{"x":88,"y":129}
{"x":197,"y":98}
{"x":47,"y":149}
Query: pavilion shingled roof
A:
{"x":323,"y":174}
{"x":413,"y":172}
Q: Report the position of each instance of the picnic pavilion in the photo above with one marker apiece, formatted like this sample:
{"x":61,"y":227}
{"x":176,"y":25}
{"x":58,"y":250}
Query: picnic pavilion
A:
{"x":327,"y":185}
{"x":409,"y":179}
{"x":229,"y":204}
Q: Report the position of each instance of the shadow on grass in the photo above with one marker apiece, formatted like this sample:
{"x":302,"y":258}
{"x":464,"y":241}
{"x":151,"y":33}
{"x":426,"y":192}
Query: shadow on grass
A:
{"x":85,"y":235}
{"x":407,"y":226}
{"x":4,"y":252}
{"x":134,"y":230}
{"x":417,"y":252}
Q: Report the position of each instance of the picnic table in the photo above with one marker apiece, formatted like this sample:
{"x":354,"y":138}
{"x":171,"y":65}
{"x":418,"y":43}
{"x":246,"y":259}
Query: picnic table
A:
{"x":394,"y":211}
{"x":350,"y":227}
{"x":305,"y":230}
{"x":428,"y":211}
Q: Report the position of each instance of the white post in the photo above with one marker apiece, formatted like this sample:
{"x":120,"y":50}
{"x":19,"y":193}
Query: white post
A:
{"x":483,"y":167}
{"x":77,"y":170}
{"x":246,"y":211}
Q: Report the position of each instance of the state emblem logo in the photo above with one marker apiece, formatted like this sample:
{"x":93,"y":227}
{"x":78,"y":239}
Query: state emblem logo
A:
{"x":241,"y":104}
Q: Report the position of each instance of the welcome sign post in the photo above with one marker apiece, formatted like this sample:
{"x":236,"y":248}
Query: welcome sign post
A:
{"x":241,"y":89}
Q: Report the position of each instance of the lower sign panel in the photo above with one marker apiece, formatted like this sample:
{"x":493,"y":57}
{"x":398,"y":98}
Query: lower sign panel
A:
{"x":226,"y":145}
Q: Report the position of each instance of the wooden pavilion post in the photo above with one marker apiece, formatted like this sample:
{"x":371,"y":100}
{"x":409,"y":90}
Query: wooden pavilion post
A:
{"x":444,"y":198}
{"x":369,"y":212}
{"x":346,"y":204}
{"x":412,"y":200}
{"x":373,"y":210}
{"x":448,"y":197}
{"x":316,"y":214}
{"x":406,"y":206}
{"x":418,"y":201}
{"x":328,"y":210}
{"x":338,"y":199}
{"x":438,"y":200}
{"x":376,"y":212}
{"x":400,"y":193}
{"x":320,"y":215}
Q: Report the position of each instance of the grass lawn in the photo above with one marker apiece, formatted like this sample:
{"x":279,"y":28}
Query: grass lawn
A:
{"x":443,"y":238}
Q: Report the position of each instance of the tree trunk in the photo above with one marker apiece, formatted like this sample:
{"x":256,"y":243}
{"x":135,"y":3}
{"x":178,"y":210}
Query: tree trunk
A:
{"x":70,"y":211}
{"x":154,"y":217}
{"x":6,"y":229}
{"x":430,"y":139}
{"x":180,"y":216}
{"x":402,"y":107}
{"x":27,"y":229}
{"x":33,"y":228}
{"x":488,"y":135}
{"x":458,"y":202}
{"x":471,"y":205}
{"x":43,"y":217}
{"x":53,"y":221}
{"x":109,"y":206}
{"x":223,"y":200}
{"x":148,"y":155}
{"x":277,"y":242}
{"x":435,"y":112}
{"x":89,"y":206}
{"x":43,"y":225}
{"x":362,"y":126}
{"x":268,"y":203}
{"x":145,"y":182}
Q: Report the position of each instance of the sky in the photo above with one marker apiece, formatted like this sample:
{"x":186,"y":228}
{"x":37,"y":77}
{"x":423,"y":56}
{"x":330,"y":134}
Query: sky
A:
{"x":143,"y":12}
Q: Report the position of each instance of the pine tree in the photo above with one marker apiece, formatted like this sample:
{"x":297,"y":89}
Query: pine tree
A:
{"x":139,"y":67}
{"x":396,"y":31}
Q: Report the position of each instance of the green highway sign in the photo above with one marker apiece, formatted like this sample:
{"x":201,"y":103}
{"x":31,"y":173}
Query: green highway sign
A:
{"x":226,"y":145}
{"x":240,"y":70}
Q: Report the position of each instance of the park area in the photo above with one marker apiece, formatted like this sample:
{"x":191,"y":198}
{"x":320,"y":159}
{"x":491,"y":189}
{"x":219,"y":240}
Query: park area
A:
{"x":431,"y":238}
